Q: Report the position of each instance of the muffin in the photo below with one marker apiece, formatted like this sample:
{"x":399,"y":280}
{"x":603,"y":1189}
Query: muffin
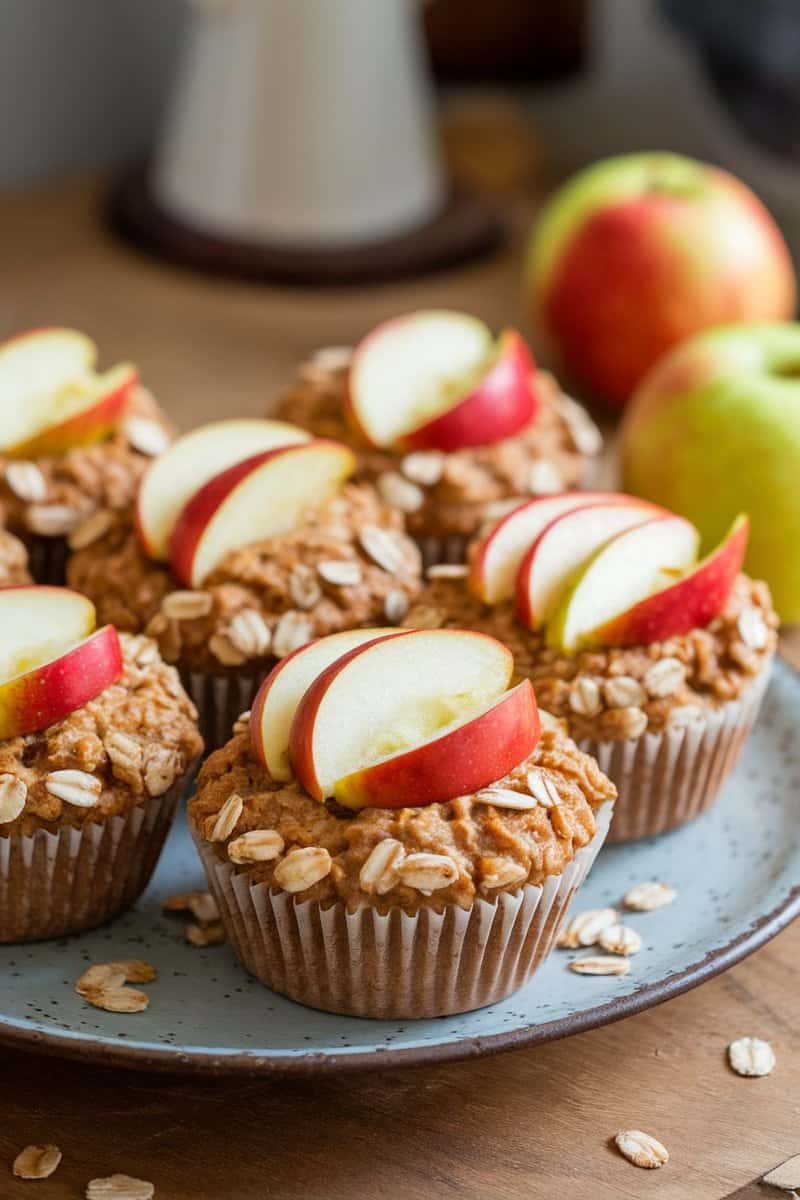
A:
{"x":96,"y":747}
{"x":509,"y":430}
{"x":426,"y":881}
{"x":342,"y":562}
{"x":75,"y":444}
{"x":13,"y":560}
{"x":665,"y":694}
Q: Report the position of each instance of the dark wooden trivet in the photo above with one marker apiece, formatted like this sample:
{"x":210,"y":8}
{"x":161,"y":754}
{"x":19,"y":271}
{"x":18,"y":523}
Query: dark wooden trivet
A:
{"x":467,"y":227}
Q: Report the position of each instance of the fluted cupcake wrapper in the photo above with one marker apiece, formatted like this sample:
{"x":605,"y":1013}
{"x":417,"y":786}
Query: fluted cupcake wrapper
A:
{"x":393,"y":965}
{"x":47,"y":558}
{"x":52,"y":884}
{"x":665,"y":780}
{"x":220,"y":699}
{"x":451,"y":549}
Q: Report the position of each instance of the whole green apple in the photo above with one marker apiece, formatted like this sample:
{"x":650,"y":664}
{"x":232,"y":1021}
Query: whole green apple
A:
{"x":636,"y":253}
{"x":714,"y":430}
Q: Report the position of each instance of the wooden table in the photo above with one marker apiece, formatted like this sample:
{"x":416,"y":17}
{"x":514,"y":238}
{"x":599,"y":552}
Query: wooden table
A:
{"x":530,"y":1124}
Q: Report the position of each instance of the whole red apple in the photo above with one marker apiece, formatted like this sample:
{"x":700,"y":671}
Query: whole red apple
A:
{"x":636,"y":253}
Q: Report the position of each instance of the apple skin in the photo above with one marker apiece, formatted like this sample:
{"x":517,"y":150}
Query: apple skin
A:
{"x":504,"y":402}
{"x":636,"y":253}
{"x":50,"y":692}
{"x":714,"y":430}
{"x":189,"y":534}
{"x":688,"y":604}
{"x":97,"y":421}
{"x":456,"y":761}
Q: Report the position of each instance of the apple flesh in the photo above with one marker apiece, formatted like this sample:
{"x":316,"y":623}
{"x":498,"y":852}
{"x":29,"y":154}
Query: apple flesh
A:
{"x":33,"y":367}
{"x":689,"y":603}
{"x":466,"y":755}
{"x":279,"y":695}
{"x":637,"y":253}
{"x":190,"y":462}
{"x":563,"y":547}
{"x":497,"y":558}
{"x":627,"y":569}
{"x":50,"y":691}
{"x":388,"y":695}
{"x":262,"y":497}
{"x":713,"y":430}
{"x":39,"y":623}
{"x":79,"y":414}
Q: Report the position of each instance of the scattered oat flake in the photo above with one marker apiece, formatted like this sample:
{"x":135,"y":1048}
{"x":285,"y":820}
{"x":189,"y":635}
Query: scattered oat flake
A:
{"x":641,"y":1149}
{"x":120,"y":1187}
{"x":36,"y":1162}
{"x":751,"y":1056}
{"x":620,"y":939}
{"x":786,"y":1176}
{"x":585,"y":928}
{"x":212,"y":934}
{"x":646,"y":897}
{"x":117,"y":999}
{"x":600,"y":965}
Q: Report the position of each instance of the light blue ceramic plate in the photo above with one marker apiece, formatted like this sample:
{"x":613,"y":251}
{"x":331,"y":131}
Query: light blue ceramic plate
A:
{"x":737,"y":871}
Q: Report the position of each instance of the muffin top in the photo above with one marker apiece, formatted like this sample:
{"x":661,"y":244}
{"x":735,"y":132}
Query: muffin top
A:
{"x":350,"y":564}
{"x":133,"y":741}
{"x":13,"y":560}
{"x":54,"y":495}
{"x":619,"y":692}
{"x":409,"y":858}
{"x":448,"y":494}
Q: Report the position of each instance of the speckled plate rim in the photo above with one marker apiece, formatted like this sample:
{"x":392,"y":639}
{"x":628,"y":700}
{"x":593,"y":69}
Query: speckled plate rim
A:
{"x":89,"y":1048}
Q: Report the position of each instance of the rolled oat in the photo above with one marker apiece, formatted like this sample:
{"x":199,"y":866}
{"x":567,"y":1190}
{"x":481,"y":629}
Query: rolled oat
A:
{"x":249,"y":633}
{"x":641,"y":1149}
{"x":341,"y":572}
{"x":292,"y":631}
{"x":36,"y":1162}
{"x":186,"y":605}
{"x":666,"y":677}
{"x":584,"y":929}
{"x":379,"y":872}
{"x":751,"y":1056}
{"x":13,"y":794}
{"x":600,"y":965}
{"x":257,"y":845}
{"x":26,"y":481}
{"x":647,"y":897}
{"x":74,"y":787}
{"x":302,"y":868}
{"x":428,"y":872}
{"x":424,"y":467}
{"x":226,"y":819}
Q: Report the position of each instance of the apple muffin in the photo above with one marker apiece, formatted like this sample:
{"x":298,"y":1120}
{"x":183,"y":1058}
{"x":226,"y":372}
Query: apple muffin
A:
{"x":657,"y":663}
{"x":447,"y":422}
{"x":97,"y":742}
{"x":233,"y":557}
{"x":75,"y":443}
{"x":396,"y":832}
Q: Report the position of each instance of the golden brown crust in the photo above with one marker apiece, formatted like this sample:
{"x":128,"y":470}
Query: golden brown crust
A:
{"x":13,"y":561}
{"x":274,"y":579}
{"x":71,"y":487}
{"x":708,"y":666}
{"x":550,"y":455}
{"x":136,"y":739}
{"x":532,"y":844}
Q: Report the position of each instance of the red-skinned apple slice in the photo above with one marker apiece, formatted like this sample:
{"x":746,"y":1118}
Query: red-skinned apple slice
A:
{"x":459,"y":759}
{"x":38,"y":623}
{"x":279,"y":695}
{"x":82,"y":412}
{"x":388,"y":695}
{"x":52,"y":690}
{"x":189,"y":463}
{"x":262,"y":497}
{"x":627,"y":569}
{"x":565,"y":545}
{"x":33,"y":366}
{"x":690,"y":603}
{"x":494,"y":566}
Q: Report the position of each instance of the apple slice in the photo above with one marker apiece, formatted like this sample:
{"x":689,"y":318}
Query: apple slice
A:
{"x":279,"y":695}
{"x":466,"y":755}
{"x":494,"y":566}
{"x":388,"y":695}
{"x":82,"y":412}
{"x":38,"y":623}
{"x":689,"y":603}
{"x":261,"y":497}
{"x":171,"y":481}
{"x":34,"y":366}
{"x":633,"y":565}
{"x":565,"y":545}
{"x":52,"y":690}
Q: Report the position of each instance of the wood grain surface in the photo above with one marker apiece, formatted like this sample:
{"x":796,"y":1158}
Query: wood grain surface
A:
{"x":523,"y":1126}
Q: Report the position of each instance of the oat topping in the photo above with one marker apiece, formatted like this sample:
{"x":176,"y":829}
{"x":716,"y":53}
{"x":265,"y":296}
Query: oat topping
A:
{"x":26,"y":481}
{"x":400,"y":492}
{"x":52,"y":520}
{"x":664,"y":678}
{"x":36,"y":1162}
{"x":13,"y":560}
{"x":505,"y":798}
{"x":304,"y":588}
{"x":249,"y":634}
{"x":186,"y":606}
{"x":226,"y":820}
{"x":292,"y":631}
{"x":92,"y":528}
{"x":74,"y":787}
{"x":623,"y":691}
{"x":146,"y":436}
{"x":544,"y":478}
{"x":119,"y":1187}
{"x":448,"y":571}
{"x":501,"y":873}
{"x":395,"y":606}
{"x":647,"y":897}
{"x":342,"y":573}
{"x":302,"y":868}
{"x":424,"y":467}
{"x":379,"y":873}
{"x":13,"y":793}
{"x":584,"y":697}
{"x":584,"y":929}
{"x":242,"y":723}
{"x":257,"y":845}
{"x":600,"y":965}
{"x":751,"y":1056}
{"x":542,"y":788}
{"x":641,"y":1149}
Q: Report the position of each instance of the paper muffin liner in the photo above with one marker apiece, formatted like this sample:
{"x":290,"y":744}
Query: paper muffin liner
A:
{"x":450,"y":549}
{"x":667,"y":779}
{"x":48,"y":558}
{"x":52,"y":884}
{"x":393,"y":965}
{"x":220,"y":699}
